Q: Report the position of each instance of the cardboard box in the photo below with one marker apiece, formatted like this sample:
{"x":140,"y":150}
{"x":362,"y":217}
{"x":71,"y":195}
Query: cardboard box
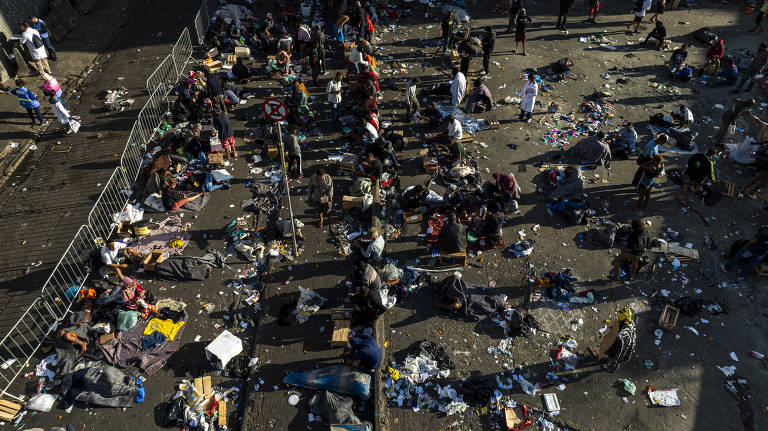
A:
{"x":216,"y":158}
{"x":103,"y":338}
{"x":152,"y":259}
{"x":124,"y":230}
{"x":340,"y":334}
{"x":352,"y":202}
{"x":413,"y":216}
{"x":454,"y":55}
{"x":214,"y":65}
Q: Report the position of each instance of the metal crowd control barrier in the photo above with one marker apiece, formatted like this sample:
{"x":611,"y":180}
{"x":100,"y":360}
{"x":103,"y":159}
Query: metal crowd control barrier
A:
{"x":70,"y":273}
{"x":103,"y":217}
{"x":23,"y":340}
{"x":201,"y":22}
{"x":21,"y":343}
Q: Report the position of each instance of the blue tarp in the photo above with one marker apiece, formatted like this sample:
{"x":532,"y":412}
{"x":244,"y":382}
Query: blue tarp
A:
{"x":338,"y":378}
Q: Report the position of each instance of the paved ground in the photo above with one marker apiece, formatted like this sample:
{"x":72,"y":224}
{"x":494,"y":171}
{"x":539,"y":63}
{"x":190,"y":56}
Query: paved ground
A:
{"x":684,"y":359}
{"x":53,"y":191}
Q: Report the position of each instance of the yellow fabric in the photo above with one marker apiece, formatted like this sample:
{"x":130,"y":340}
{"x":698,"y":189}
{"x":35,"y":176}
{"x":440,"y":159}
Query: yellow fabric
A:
{"x":624,"y":315}
{"x":165,"y":327}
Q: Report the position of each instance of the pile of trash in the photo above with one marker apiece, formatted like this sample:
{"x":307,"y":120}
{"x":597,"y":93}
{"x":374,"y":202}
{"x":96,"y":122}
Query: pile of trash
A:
{"x":115,"y":101}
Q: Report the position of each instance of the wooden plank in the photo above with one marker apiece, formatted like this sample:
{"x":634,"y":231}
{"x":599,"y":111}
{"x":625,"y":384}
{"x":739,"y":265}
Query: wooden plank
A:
{"x":222,"y":414}
{"x":207,"y":386}
{"x":11,"y":404}
{"x":198,"y":382}
{"x":340,"y":335}
{"x":608,"y":339}
{"x":7,"y":416}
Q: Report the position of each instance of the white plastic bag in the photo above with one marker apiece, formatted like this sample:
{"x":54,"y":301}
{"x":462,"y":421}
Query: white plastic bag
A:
{"x":41,"y":403}
{"x":309,"y":303}
{"x":74,"y":125}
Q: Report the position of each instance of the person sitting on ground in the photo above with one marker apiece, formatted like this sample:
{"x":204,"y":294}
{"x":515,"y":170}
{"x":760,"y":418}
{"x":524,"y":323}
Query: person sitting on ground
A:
{"x":714,"y":54}
{"x":114,"y":255}
{"x":452,"y":238}
{"x":727,"y":75}
{"x":283,"y":60}
{"x":364,"y":352}
{"x":240,"y":71}
{"x":753,"y":252}
{"x":624,"y":347}
{"x":700,"y":168}
{"x":659,"y":33}
{"x":489,"y":225}
{"x":677,"y":60}
{"x":367,"y":290}
{"x":174,"y":196}
{"x":456,"y":152}
{"x":561,"y":69}
{"x":624,"y":142}
{"x":372,"y":167}
{"x":682,"y":115}
{"x":729,"y":117}
{"x":637,"y":243}
{"x":321,"y":193}
{"x":371,"y":248}
{"x":432,"y":115}
{"x":480,"y":97}
{"x":571,"y":186}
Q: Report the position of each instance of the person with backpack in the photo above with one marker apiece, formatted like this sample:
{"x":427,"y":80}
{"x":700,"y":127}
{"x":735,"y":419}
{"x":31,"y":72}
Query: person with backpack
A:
{"x":700,"y":168}
{"x":645,"y":178}
{"x":34,"y":43}
{"x":42,"y":28}
{"x":28,"y":101}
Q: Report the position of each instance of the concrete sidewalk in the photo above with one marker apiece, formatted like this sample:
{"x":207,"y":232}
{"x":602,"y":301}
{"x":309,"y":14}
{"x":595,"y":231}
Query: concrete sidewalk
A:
{"x":118,"y":45}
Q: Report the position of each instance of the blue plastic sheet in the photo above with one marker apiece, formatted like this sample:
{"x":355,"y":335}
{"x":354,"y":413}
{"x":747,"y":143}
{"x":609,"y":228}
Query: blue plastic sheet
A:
{"x":468,"y":124}
{"x":338,"y":378}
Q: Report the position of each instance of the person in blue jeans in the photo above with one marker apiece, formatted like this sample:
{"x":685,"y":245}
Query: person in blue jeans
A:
{"x":42,"y":28}
{"x":753,"y":252}
{"x":28,"y":101}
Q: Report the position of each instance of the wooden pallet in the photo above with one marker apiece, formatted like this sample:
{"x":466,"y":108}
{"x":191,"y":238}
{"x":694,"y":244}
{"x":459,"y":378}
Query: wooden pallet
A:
{"x":728,"y":189}
{"x":10,"y":409}
{"x":762,"y":196}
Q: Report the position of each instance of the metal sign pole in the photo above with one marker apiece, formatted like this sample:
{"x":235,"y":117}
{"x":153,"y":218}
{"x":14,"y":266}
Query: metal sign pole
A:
{"x":287,"y":189}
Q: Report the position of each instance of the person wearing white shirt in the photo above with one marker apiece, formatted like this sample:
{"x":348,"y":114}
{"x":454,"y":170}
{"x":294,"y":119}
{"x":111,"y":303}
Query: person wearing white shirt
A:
{"x":458,"y":87}
{"x":641,"y":6}
{"x":410,"y":98}
{"x":114,"y":252}
{"x":34,"y":43}
{"x":683,"y":115}
{"x":455,"y":131}
{"x":334,"y":98}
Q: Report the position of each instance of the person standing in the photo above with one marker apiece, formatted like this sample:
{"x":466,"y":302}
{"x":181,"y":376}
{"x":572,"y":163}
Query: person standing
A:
{"x":466,"y":52}
{"x":224,"y":129}
{"x":61,"y":113}
{"x":334,"y":98}
{"x":528,"y":97}
{"x":321,"y":193}
{"x":514,"y":9}
{"x":51,"y":84}
{"x":28,"y":101}
{"x":523,"y":20}
{"x":411,"y":100}
{"x":756,"y":68}
{"x":640,"y":8}
{"x":446,"y":29}
{"x":760,"y":16}
{"x":488,"y":43}
{"x":319,"y":37}
{"x":458,"y":87}
{"x":45,"y":35}
{"x":293,"y":151}
{"x":645,"y":178}
{"x":562,"y":17}
{"x":31,"y":39}
{"x":594,"y":8}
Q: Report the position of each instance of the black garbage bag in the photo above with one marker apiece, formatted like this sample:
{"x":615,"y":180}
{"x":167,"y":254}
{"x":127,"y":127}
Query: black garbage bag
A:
{"x":335,"y":408}
{"x":436,"y":353}
{"x":174,"y":416}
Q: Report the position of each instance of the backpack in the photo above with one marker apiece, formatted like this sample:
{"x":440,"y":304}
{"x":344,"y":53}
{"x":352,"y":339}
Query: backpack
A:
{"x":37,"y":41}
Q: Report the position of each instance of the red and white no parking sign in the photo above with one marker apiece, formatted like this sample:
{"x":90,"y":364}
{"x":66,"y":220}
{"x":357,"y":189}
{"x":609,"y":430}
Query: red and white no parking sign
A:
{"x":275,"y":110}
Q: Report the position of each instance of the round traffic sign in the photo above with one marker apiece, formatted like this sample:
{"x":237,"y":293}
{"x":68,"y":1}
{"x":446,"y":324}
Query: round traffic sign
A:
{"x":275,"y":110}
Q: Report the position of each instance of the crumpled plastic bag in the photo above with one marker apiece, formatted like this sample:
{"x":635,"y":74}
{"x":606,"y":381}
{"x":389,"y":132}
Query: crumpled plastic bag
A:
{"x":528,"y":388}
{"x":454,"y":407}
{"x":308,"y":304}
{"x":629,"y":387}
{"x":666,"y":398}
{"x":41,"y":402}
{"x":447,"y":392}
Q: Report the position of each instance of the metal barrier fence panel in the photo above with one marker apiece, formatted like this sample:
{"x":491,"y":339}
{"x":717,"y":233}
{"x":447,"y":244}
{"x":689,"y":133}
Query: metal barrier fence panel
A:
{"x":22,"y":341}
{"x":71,"y":272}
{"x":182,"y":52}
{"x":133,"y":155}
{"x":109,"y":205}
{"x":164,"y":76}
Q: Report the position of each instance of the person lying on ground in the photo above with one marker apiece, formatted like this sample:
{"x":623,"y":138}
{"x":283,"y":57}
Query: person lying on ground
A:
{"x":637,"y":243}
{"x":453,"y":237}
{"x":364,"y":352}
{"x":174,"y":197}
{"x":115,"y":255}
{"x":750,"y":255}
{"x":78,"y":332}
{"x":561,"y":69}
{"x":700,"y":169}
{"x":623,"y":348}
